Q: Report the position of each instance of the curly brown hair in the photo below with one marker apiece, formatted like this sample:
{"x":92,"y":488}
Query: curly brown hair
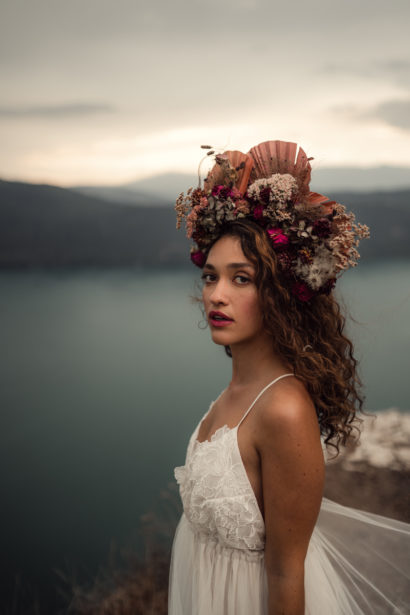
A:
{"x":308,"y":336}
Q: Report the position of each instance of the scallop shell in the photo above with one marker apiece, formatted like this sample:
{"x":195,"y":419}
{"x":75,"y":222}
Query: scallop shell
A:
{"x":272,"y":157}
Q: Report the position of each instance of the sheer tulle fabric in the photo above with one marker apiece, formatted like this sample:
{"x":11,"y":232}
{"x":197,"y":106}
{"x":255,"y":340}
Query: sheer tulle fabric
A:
{"x":357,"y":562}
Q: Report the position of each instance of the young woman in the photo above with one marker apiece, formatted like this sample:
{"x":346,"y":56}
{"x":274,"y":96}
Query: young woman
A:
{"x":256,"y":535}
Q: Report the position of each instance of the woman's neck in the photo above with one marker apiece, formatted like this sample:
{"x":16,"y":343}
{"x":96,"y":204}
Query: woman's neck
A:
{"x":255,"y":361}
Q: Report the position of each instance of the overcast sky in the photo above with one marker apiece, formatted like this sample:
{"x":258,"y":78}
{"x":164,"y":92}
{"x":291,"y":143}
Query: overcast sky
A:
{"x":106,"y":91}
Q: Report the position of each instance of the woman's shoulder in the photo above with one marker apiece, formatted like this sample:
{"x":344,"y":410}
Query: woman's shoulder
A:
{"x":287,"y":406}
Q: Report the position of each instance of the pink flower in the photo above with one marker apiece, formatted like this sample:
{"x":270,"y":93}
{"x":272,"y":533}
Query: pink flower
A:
{"x":235,"y":194}
{"x":278,"y":237}
{"x":198,"y":258}
{"x":225,"y":192}
{"x":258,"y":211}
{"x":302,"y":291}
{"x":221,"y":191}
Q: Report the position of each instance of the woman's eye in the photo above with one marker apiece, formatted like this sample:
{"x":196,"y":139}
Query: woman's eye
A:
{"x":243,"y":279}
{"x":210,"y":277}
{"x":205,"y":277}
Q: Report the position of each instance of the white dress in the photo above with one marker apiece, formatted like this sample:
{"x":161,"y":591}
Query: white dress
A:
{"x":357,"y":562}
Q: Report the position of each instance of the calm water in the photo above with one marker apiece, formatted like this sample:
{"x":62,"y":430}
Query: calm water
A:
{"x":104,"y":376}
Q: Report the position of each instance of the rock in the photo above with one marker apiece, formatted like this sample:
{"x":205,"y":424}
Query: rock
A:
{"x":384,"y":443}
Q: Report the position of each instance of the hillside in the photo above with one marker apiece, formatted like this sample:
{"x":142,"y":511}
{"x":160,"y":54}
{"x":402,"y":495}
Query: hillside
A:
{"x":48,"y":226}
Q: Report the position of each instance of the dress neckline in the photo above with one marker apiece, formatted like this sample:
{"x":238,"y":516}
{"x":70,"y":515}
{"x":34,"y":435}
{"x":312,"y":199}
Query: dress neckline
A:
{"x":225,"y":429}
{"x":211,"y":438}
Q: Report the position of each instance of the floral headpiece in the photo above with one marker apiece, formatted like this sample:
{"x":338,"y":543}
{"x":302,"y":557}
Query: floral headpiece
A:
{"x":314,"y":238}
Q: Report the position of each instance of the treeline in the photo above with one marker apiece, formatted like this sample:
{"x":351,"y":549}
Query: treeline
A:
{"x":48,"y":226}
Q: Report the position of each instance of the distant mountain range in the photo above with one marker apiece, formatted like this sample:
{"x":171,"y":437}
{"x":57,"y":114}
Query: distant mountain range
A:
{"x":49,"y":226}
{"x":159,"y":190}
{"x":166,"y":186}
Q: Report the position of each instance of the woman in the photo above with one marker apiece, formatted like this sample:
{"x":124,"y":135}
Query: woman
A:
{"x":257,"y":536}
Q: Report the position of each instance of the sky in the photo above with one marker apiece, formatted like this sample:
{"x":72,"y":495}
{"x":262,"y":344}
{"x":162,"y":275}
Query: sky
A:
{"x":109,"y":91}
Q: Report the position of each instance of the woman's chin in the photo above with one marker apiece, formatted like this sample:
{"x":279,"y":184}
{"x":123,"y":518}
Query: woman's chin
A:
{"x":221,"y":337}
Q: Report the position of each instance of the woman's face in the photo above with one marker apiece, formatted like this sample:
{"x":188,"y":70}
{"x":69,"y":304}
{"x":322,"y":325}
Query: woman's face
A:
{"x":229,"y":288}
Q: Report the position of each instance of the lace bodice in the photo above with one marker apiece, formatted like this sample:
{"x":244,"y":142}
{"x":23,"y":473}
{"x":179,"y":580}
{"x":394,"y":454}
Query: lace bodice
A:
{"x":216,"y":493}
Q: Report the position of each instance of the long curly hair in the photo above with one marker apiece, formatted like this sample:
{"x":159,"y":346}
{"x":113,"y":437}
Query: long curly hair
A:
{"x":308,"y":335}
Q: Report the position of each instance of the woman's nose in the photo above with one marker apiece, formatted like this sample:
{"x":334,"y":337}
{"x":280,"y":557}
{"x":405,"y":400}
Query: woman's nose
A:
{"x":219,"y":292}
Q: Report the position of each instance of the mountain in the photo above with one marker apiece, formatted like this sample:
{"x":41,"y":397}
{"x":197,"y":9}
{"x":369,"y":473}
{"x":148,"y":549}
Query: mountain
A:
{"x":159,"y":190}
{"x":123,"y":195}
{"x":166,"y":186}
{"x":366,"y":179}
{"x":48,"y":226}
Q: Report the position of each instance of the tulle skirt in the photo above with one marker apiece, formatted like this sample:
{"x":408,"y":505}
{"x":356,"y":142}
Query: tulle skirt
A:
{"x":357,"y":564}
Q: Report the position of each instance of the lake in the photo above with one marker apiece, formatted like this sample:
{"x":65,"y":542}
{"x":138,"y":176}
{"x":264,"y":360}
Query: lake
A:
{"x":104,"y":375}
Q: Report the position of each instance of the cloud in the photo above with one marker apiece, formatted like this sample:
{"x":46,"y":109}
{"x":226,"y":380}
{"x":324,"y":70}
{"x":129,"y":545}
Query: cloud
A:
{"x":55,"y":111}
{"x":393,"y":70}
{"x":394,"y":113}
{"x":130,"y":70}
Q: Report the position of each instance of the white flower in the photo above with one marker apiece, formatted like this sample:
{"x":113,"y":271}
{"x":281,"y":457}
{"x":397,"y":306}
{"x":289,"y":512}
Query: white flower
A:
{"x":283,"y":188}
{"x":320,"y":270}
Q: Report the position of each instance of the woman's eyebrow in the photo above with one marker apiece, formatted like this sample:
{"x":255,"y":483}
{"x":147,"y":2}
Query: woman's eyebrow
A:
{"x":230,"y":266}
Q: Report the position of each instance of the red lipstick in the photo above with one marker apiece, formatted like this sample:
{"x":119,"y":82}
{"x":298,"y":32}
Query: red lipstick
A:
{"x":219,"y":319}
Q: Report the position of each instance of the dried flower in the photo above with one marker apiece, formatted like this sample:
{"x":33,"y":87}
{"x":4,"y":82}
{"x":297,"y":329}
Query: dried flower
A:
{"x":314,"y":238}
{"x":321,"y":227}
{"x":301,"y":291}
{"x":305,"y":256}
{"x":278,"y":189}
{"x":319,"y":269}
{"x":278,"y":237}
{"x":285,"y":260}
{"x":258,"y":211}
{"x":198,"y":258}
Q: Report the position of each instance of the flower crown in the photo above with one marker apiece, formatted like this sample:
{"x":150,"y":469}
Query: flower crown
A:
{"x":314,"y":239}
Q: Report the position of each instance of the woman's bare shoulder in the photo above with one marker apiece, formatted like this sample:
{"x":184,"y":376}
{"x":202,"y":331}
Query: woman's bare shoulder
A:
{"x":286,"y":407}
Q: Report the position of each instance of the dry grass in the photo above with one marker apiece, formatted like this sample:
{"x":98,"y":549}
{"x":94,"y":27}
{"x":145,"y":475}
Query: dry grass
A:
{"x":130,"y":584}
{"x":140,"y":588}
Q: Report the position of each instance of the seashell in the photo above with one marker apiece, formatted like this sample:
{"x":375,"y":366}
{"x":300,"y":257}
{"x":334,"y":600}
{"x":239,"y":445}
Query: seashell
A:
{"x":272,"y":157}
{"x":217,"y":175}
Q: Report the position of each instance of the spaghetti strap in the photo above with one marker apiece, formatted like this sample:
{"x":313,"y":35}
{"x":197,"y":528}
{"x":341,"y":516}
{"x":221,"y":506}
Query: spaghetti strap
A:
{"x":259,"y":394}
{"x":198,"y":427}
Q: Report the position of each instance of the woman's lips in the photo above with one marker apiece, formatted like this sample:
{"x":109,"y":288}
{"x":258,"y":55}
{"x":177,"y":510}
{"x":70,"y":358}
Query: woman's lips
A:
{"x":222,"y":321}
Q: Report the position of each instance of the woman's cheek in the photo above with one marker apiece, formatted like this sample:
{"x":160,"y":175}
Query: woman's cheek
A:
{"x":251,"y":310}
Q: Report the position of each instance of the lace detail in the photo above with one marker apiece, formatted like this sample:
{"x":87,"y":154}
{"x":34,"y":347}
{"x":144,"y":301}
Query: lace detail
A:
{"x":217,"y":497}
{"x":220,"y":431}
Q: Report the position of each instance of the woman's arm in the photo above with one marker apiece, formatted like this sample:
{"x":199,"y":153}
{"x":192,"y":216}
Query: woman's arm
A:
{"x":292,"y":481}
